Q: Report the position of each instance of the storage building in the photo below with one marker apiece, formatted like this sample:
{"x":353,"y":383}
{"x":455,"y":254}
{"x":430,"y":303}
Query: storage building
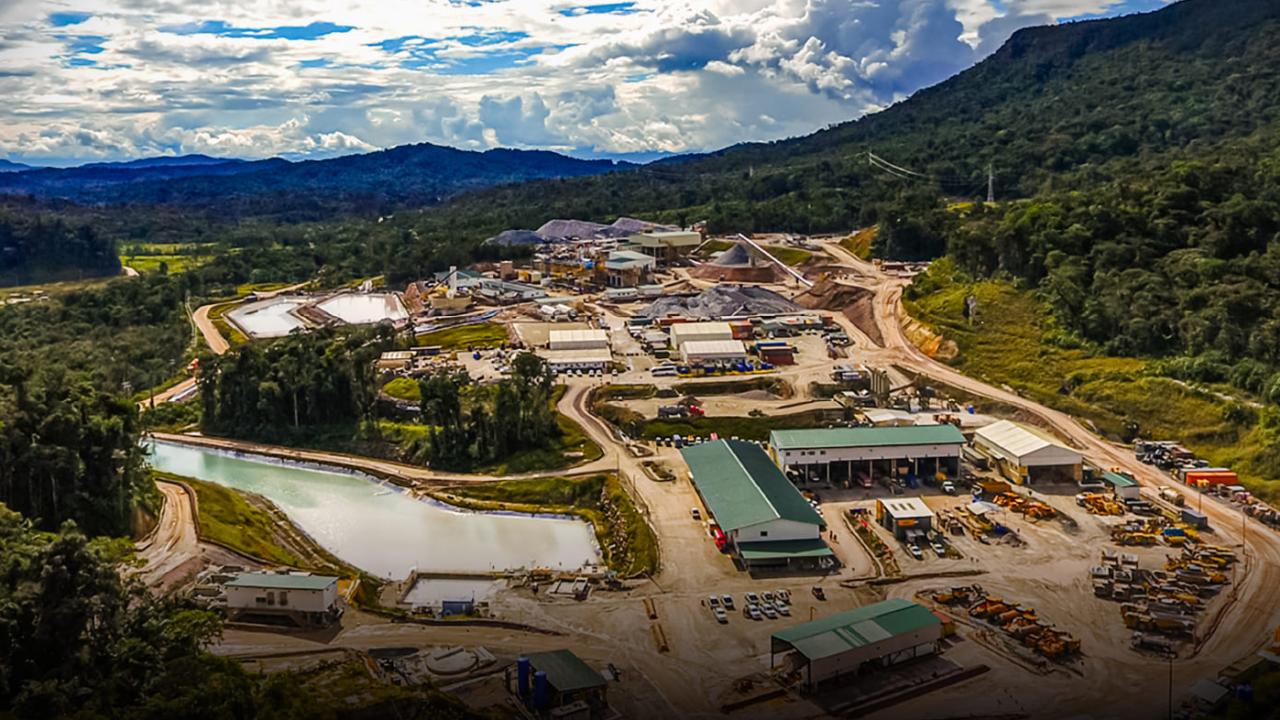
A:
{"x":1026,"y":455}
{"x":395,"y":361}
{"x":875,"y":636}
{"x":559,"y":684}
{"x":562,"y":360}
{"x":864,"y":454}
{"x":699,"y":332}
{"x":627,"y":268}
{"x":713,"y":352}
{"x":766,"y":521}
{"x":665,"y":245}
{"x":909,"y":519}
{"x":1123,"y":486}
{"x":578,"y":339}
{"x":306,"y":601}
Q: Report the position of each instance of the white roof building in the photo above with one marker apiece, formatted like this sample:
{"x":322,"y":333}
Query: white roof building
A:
{"x":682,"y":333}
{"x":591,"y":358}
{"x":907,"y":508}
{"x":696,"y":351}
{"x":1023,"y":450}
{"x":578,"y":339}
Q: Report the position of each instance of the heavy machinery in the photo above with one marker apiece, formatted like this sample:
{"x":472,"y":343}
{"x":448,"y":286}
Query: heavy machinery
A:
{"x":1155,"y":643}
{"x":1100,"y":504}
{"x":954,"y":596}
{"x":1137,"y":538}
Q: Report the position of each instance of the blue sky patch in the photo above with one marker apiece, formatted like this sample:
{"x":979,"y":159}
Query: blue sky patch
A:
{"x":63,"y":19}
{"x":1124,"y":8}
{"x":82,"y":44}
{"x":617,"y":8}
{"x":220,"y":28}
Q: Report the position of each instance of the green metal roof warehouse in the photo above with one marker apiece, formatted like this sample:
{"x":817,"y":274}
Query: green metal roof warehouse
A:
{"x":881,"y":634}
{"x":765,"y":517}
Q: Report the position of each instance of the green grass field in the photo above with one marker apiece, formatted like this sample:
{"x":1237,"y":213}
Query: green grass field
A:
{"x":173,"y":264}
{"x":482,"y":335}
{"x":1014,"y":341}
{"x":403,"y":388}
{"x":788,"y":255}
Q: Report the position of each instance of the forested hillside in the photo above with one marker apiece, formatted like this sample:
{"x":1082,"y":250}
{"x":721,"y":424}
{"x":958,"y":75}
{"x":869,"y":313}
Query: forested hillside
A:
{"x":38,"y":247}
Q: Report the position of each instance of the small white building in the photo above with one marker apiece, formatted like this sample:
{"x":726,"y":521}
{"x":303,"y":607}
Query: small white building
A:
{"x":305,"y":600}
{"x":682,"y":333}
{"x":713,"y":352}
{"x":1026,"y":455}
{"x":590,"y":359}
{"x":578,"y":340}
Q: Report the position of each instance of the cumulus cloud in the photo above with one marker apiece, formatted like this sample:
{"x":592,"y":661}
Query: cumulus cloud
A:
{"x":101,"y":79}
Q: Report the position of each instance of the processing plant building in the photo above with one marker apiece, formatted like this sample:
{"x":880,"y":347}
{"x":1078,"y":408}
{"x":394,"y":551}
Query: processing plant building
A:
{"x":866,"y":638}
{"x":765,"y":519}
{"x":843,"y":454}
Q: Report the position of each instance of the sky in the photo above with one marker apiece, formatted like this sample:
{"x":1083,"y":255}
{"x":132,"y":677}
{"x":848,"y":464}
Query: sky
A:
{"x":102,"y":80}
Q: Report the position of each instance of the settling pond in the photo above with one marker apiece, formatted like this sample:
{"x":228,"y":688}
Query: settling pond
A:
{"x":378,"y":528}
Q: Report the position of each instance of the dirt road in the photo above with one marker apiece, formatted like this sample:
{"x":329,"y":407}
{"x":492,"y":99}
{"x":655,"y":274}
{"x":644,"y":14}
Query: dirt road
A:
{"x":173,"y":549}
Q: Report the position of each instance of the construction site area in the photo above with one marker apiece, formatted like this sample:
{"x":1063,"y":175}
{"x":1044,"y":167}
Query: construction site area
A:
{"x":846,"y":526}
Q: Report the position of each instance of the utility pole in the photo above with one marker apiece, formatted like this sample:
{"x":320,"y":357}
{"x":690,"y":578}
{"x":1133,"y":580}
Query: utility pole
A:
{"x":991,"y":183}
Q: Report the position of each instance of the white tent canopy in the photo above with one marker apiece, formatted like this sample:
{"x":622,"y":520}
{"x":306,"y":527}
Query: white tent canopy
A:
{"x":1024,"y":446}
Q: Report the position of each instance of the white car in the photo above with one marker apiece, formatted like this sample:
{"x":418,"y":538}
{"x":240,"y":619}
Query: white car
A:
{"x":768,"y":611}
{"x":695,"y":513}
{"x":721,"y":617}
{"x":915,"y":551}
{"x":713,"y":601}
{"x":783,"y":609}
{"x":938,"y":548}
{"x":949,"y":487}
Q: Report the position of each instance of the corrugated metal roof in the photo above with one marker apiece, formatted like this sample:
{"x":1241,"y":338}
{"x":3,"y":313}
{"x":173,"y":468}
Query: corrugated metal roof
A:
{"x":1118,"y":480}
{"x":784,"y":549}
{"x":686,"y":332}
{"x":856,"y":628}
{"x":277,"y":581}
{"x":1020,"y":441}
{"x":578,"y":335}
{"x":713,"y":347}
{"x":865,"y":437}
{"x":565,"y":671}
{"x":742,"y":486}
{"x":907,"y":508}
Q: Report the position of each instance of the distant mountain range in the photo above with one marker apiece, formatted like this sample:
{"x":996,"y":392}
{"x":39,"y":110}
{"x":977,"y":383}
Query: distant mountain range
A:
{"x":420,"y":174}
{"x":8,"y":167}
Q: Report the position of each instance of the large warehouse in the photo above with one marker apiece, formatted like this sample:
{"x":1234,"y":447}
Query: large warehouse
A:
{"x":878,"y":635}
{"x":713,"y":352}
{"x":682,"y":333}
{"x":1026,"y":455}
{"x":846,"y":455}
{"x":766,"y":521}
{"x":578,"y":339}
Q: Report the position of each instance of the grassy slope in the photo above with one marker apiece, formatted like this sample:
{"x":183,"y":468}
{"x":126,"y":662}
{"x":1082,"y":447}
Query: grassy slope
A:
{"x":403,"y":388}
{"x":254,"y":527}
{"x":482,"y":335}
{"x":789,"y":255}
{"x":1013,"y":341}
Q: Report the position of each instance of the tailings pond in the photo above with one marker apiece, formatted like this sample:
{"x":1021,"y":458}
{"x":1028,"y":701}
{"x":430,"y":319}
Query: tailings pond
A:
{"x":379,"y":528}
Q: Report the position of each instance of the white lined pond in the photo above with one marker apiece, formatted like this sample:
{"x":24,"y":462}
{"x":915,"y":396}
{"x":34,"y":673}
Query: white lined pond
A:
{"x":365,"y":309}
{"x":381,"y":529}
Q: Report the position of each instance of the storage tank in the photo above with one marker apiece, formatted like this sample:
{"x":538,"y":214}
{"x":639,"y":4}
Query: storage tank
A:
{"x":540,"y":690}
{"x":522,"y":675}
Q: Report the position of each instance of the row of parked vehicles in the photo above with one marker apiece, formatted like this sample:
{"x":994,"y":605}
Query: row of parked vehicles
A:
{"x":769,"y":604}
